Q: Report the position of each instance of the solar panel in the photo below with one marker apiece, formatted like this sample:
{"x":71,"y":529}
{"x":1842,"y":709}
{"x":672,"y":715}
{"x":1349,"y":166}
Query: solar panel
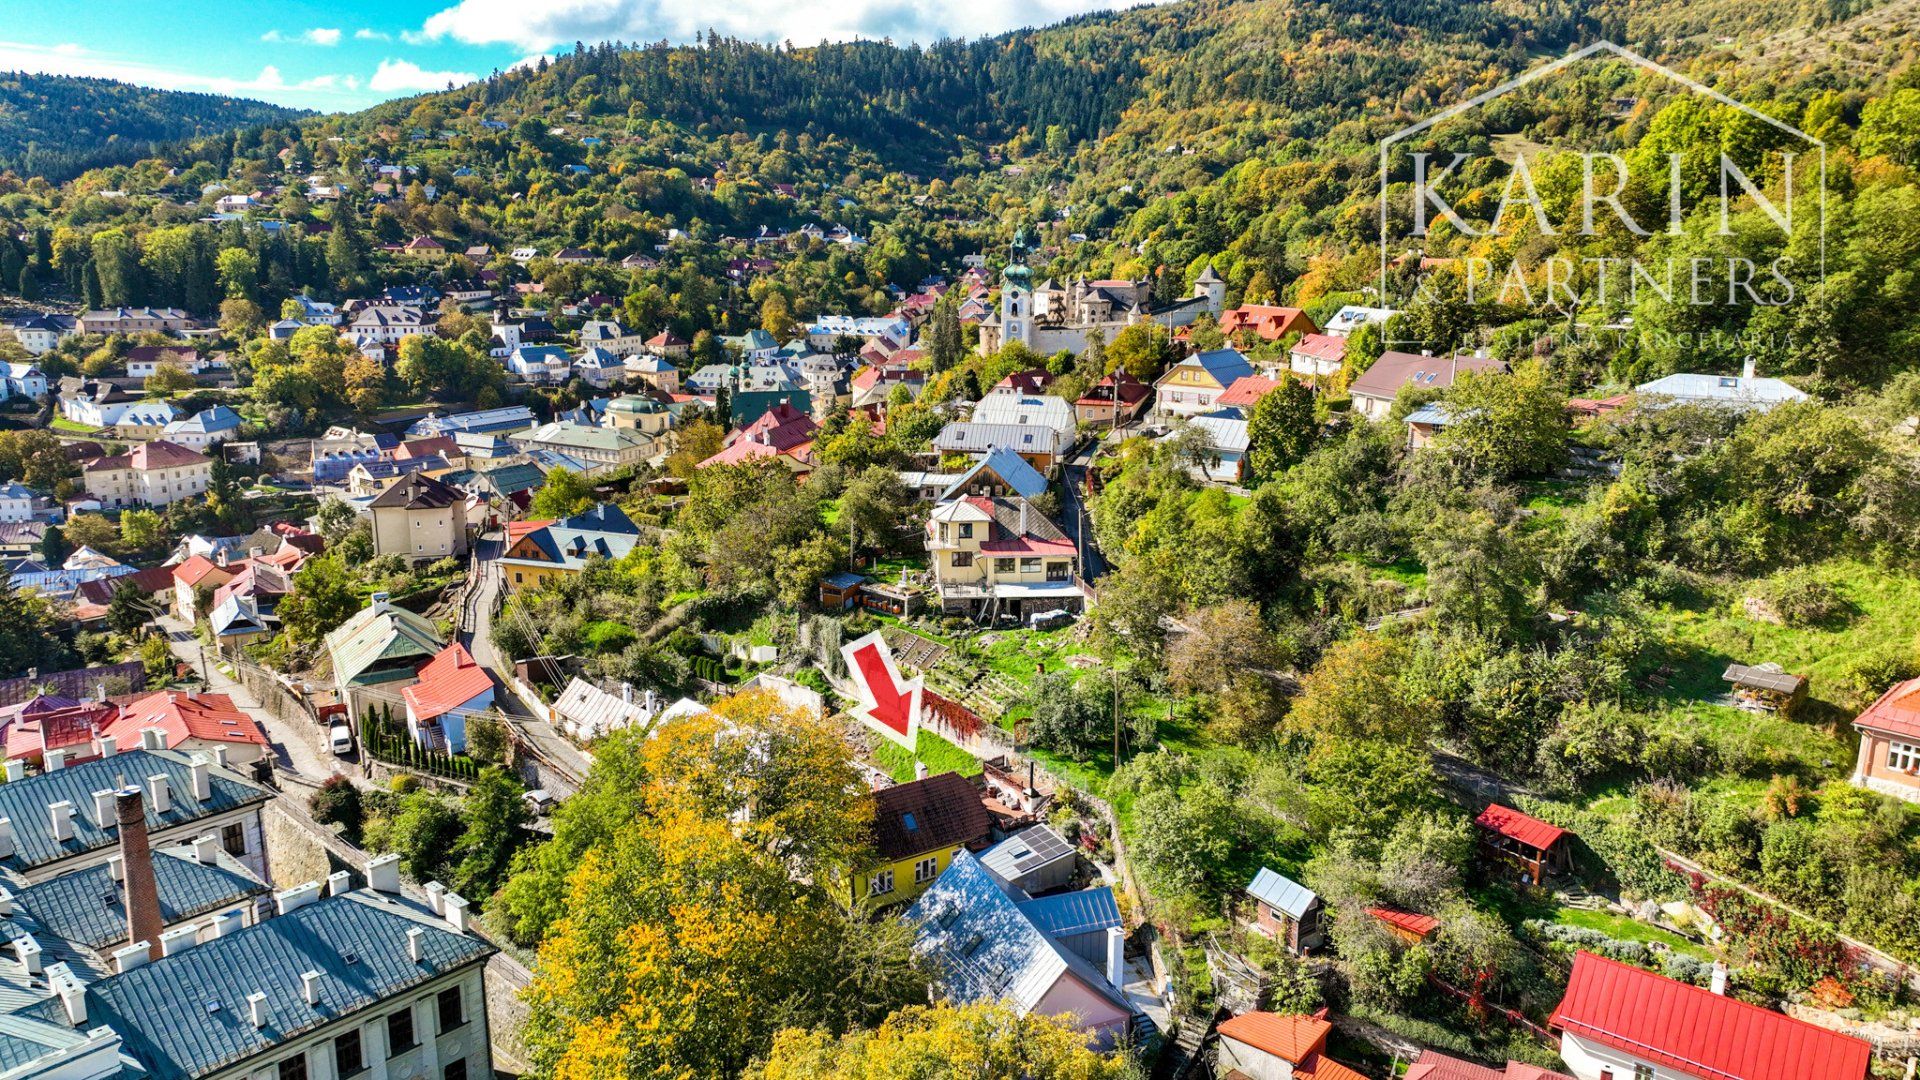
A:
{"x":1042,"y":847}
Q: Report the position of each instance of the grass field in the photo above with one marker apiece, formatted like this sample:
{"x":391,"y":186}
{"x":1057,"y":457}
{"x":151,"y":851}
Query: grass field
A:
{"x":936,"y":753}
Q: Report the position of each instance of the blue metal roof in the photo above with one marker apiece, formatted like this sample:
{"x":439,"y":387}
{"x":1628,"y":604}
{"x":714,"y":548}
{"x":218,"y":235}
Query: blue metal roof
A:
{"x":24,"y":802}
{"x":88,"y":906}
{"x":1434,"y":415}
{"x":1010,"y":467}
{"x":1225,"y":365}
{"x":1282,"y":894}
{"x":186,"y":1015}
{"x":1066,"y":914}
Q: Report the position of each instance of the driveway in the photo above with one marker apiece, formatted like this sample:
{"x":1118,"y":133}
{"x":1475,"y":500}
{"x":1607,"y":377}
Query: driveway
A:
{"x":1076,"y":520}
{"x":296,"y":745}
{"x":476,"y":634}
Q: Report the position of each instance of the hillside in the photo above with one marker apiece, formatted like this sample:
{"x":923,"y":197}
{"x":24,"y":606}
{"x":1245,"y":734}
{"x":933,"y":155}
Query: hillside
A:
{"x":57,"y":126}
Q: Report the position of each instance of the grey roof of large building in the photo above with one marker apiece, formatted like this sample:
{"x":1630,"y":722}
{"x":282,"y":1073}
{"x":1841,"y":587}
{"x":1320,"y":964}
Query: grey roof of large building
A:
{"x":977,"y":438}
{"x":186,"y":1015}
{"x":24,"y":802}
{"x":87,"y":906}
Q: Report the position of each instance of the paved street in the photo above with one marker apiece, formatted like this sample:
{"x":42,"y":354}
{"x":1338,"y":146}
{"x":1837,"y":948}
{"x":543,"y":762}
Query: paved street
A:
{"x":297,"y":747}
{"x":1075,"y":519}
{"x":477,"y":636}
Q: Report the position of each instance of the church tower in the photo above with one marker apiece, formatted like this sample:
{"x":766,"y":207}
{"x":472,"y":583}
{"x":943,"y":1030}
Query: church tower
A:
{"x":1016,"y":305}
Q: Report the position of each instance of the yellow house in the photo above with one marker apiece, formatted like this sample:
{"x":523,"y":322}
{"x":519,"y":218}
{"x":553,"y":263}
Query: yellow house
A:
{"x":540,"y":552}
{"x":917,"y":830}
{"x":1194,"y":385}
{"x":997,"y":555}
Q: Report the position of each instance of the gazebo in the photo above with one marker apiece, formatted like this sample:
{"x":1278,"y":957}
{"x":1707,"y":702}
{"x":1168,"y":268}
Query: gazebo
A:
{"x":1533,"y":845}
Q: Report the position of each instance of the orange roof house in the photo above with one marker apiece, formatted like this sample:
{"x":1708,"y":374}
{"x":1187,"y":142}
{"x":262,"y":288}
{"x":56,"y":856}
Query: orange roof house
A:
{"x":192,"y":722}
{"x":1250,"y":1043}
{"x":1245,"y":391}
{"x":452,"y":685}
{"x":1268,"y":323}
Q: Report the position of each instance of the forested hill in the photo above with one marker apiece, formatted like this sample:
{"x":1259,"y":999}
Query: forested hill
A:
{"x":57,"y":126}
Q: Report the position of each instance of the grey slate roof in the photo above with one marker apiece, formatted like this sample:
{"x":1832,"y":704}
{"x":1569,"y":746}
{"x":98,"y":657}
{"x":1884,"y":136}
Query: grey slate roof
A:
{"x":24,"y":802}
{"x":88,"y":907}
{"x":24,"y":1041}
{"x":186,"y":1015}
{"x":965,"y":437}
{"x":1284,"y":895}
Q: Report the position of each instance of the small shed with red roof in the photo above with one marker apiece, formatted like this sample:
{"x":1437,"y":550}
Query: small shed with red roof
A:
{"x":1524,"y":841}
{"x":1409,"y":926}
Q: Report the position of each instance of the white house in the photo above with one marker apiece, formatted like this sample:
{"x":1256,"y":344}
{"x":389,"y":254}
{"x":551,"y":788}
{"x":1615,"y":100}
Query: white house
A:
{"x":16,"y":502}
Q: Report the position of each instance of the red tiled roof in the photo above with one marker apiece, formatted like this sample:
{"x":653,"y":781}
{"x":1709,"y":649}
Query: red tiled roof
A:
{"x":1696,"y":1031}
{"x":1410,"y":921}
{"x":1268,"y":322}
{"x":211,"y":717}
{"x":665,"y":339}
{"x":1322,"y":1067}
{"x":1433,"y":1065}
{"x":1322,"y":347}
{"x":427,"y":447}
{"x":1294,"y":1038}
{"x":1246,"y":390}
{"x":198,"y":569}
{"x":1896,"y":713}
{"x":161,"y":454}
{"x":1529,"y":830}
{"x":449,"y":680}
{"x":946,"y":812}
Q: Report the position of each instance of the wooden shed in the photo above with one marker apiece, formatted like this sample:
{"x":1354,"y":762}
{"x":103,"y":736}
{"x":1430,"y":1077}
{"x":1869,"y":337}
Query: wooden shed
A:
{"x":1522,"y":841}
{"x":1766,"y":688}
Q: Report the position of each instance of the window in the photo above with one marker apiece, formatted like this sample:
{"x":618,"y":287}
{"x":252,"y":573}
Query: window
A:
{"x":1003,"y":566}
{"x":234,"y":837}
{"x":963,"y":558}
{"x":456,"y":1070}
{"x":400,"y":1032}
{"x":294,"y":1068}
{"x":1903,"y":756}
{"x":453,"y":1009}
{"x":1029,"y":566}
{"x":347,"y":1058}
{"x":925,"y":869}
{"x":882,"y":884}
{"x":1058,"y":571}
{"x":966,"y":530}
{"x":1643,"y":1072}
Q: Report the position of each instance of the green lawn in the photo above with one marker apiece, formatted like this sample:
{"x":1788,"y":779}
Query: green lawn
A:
{"x":72,"y":427}
{"x":1621,"y":928}
{"x":938,"y":754}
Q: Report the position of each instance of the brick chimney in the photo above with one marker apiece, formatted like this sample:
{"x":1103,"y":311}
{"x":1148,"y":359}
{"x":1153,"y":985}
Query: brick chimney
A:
{"x":142,"y":894}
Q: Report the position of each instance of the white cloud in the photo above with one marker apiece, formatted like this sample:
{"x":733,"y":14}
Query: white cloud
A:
{"x":369,"y":34}
{"x":273,"y":35}
{"x":544,"y":24}
{"x":270,"y":84}
{"x":323,"y":35}
{"x":405,"y":76}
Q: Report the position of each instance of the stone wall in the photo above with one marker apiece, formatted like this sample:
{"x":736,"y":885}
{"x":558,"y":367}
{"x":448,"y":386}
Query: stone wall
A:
{"x":294,"y":854}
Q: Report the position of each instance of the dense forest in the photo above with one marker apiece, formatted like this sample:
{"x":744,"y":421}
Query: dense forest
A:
{"x":57,"y":126}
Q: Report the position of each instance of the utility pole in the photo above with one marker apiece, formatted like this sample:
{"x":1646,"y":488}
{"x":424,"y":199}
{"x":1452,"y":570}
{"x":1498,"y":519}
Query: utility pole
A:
{"x":1116,"y":719}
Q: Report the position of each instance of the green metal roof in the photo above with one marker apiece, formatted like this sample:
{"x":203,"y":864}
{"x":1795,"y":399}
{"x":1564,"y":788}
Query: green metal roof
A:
{"x":186,"y":1015}
{"x":379,"y":632}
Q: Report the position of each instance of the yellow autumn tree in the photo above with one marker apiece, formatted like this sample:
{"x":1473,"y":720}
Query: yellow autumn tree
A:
{"x":692,"y":920}
{"x":944,"y":1043}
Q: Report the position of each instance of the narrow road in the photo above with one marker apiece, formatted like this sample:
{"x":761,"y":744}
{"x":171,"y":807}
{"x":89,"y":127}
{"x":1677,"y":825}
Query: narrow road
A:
{"x":476,"y":633}
{"x":296,"y":745}
{"x":1076,"y":519}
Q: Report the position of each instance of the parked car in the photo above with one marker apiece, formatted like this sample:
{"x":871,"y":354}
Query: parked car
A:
{"x":340,"y":740}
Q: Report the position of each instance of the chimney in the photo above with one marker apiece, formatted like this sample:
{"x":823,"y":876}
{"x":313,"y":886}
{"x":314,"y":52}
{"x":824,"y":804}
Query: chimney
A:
{"x":6,"y":900}
{"x":1719,"y":985}
{"x":1116,"y":956}
{"x":383,"y":874}
{"x":16,"y":770}
{"x":413,"y":943}
{"x":310,"y":987}
{"x":454,"y":906}
{"x":27,"y":951}
{"x":73,"y":996}
{"x":153,"y":738}
{"x":220,"y":757}
{"x":206,"y":849}
{"x":100,"y":690}
{"x":6,"y":838}
{"x":117,"y":868}
{"x":1023,"y":517}
{"x":254,"y":552}
{"x":919,"y":770}
{"x":109,"y":746}
{"x":626,"y":693}
{"x":104,"y":814}
{"x":1747,"y":368}
{"x":179,"y":939}
{"x":339,"y":882}
{"x":161,"y":793}
{"x":62,"y":815}
{"x":435,"y":891}
{"x":379,"y":601}
{"x":296,"y":898}
{"x":202,"y":784}
{"x":142,"y":894}
{"x":128,"y":957}
{"x":56,"y":760}
{"x":257,"y":1009}
{"x":227,"y":922}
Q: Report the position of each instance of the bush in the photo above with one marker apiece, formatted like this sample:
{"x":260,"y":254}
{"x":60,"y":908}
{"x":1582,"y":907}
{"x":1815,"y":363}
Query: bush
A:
{"x":338,"y":803}
{"x":1801,"y":597}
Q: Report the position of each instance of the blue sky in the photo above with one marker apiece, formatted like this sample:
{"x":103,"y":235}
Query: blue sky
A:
{"x":347,"y":54}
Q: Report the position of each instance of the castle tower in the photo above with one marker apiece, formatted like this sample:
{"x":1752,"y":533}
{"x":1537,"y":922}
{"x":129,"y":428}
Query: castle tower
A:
{"x":1211,"y":286}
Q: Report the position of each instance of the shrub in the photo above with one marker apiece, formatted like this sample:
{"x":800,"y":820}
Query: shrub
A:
{"x":338,"y":803}
{"x":1801,"y":597}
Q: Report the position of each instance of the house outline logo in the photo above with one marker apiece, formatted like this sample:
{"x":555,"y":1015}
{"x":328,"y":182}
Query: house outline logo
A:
{"x":889,"y":705}
{"x":1555,"y":67}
